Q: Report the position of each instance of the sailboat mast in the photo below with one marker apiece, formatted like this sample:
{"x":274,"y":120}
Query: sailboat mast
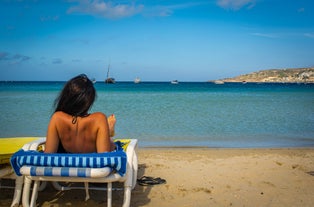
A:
{"x":109,"y":79}
{"x":108,"y":71}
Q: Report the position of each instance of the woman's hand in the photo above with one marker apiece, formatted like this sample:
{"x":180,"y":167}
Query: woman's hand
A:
{"x":111,"y":122}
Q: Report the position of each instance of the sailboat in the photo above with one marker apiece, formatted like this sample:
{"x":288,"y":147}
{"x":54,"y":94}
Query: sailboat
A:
{"x":108,"y":79}
{"x":137,"y":80}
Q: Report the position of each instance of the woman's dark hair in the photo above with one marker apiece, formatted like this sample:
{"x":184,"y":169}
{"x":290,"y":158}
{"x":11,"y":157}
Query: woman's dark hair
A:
{"x":77,"y":96}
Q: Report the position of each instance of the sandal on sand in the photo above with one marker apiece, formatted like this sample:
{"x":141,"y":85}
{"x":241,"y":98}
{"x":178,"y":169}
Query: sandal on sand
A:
{"x":146,"y":180}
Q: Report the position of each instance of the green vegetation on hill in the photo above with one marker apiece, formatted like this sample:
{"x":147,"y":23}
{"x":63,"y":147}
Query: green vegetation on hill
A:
{"x":291,"y":75}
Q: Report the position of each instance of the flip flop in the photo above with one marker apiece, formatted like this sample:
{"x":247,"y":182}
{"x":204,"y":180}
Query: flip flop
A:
{"x":146,"y":180}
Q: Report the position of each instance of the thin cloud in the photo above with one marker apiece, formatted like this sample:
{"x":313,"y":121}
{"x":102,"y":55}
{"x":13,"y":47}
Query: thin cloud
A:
{"x":168,"y":10}
{"x":20,"y":58}
{"x":108,"y":9}
{"x":267,"y":35}
{"x":81,"y":41}
{"x":309,"y":35}
{"x":279,"y":35}
{"x":158,"y":11}
{"x":105,"y":9}
{"x":49,"y":18}
{"x":3,"y":55}
{"x":13,"y":58}
{"x":300,"y":10}
{"x":57,"y":61}
{"x":236,"y":4}
{"x":10,"y":28}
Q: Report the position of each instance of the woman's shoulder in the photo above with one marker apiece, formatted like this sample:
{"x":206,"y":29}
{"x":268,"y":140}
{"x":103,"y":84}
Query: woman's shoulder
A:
{"x":59,"y":114}
{"x":97,"y":118}
{"x":98,"y":115}
{"x":64,"y":116}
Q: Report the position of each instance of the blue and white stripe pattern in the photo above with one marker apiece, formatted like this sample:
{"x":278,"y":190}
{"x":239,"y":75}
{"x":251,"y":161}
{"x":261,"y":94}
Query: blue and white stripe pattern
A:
{"x":60,"y":171}
{"x":78,"y":165}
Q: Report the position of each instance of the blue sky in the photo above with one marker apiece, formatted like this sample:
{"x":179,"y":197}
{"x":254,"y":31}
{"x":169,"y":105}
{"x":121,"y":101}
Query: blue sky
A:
{"x":156,"y":40}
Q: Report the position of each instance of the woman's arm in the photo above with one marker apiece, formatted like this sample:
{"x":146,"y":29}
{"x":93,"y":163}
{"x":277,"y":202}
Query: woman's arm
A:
{"x":52,"y":138}
{"x":103,"y":141}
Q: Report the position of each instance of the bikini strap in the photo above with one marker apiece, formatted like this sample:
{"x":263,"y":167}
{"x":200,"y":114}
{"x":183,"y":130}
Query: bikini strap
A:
{"x":74,"y":119}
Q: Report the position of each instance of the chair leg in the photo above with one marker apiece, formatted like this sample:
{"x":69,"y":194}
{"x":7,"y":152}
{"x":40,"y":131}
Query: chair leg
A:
{"x":134,"y":169}
{"x":86,"y":191}
{"x":26,"y":191}
{"x":127,"y":196}
{"x":18,"y":190}
{"x":109,"y":194}
{"x":35,"y":193}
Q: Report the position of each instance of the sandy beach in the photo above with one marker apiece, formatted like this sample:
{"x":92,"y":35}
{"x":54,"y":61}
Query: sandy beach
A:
{"x":204,"y":177}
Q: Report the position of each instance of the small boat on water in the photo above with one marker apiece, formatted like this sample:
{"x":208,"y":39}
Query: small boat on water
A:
{"x":137,"y":80}
{"x":174,"y":82}
{"x":219,"y":82}
{"x":109,"y":79}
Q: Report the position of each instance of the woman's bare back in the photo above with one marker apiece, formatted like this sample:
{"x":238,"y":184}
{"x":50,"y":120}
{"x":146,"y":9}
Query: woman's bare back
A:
{"x":79,"y":134}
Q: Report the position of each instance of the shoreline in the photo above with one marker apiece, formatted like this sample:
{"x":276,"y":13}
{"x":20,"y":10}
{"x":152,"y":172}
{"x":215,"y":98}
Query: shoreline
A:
{"x":204,"y":177}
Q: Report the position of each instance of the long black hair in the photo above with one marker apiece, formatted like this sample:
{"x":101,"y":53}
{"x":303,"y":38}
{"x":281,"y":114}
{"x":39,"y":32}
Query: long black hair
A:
{"x":77,"y":96}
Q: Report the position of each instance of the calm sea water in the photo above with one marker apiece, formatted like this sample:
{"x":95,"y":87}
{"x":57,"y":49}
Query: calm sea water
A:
{"x":187,"y":114}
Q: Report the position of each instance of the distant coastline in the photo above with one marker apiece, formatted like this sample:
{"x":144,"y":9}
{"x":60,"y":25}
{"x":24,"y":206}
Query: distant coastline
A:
{"x":290,"y":75}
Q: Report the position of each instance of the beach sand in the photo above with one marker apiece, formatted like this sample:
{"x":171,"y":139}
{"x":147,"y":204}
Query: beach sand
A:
{"x":203,"y":177}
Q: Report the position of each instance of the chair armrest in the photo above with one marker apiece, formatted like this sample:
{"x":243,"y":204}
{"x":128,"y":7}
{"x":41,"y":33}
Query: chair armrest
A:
{"x":35,"y":144}
{"x":132,"y":163}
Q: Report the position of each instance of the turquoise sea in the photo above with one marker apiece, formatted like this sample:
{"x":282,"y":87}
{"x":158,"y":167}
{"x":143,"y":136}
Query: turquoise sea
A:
{"x":187,"y":114}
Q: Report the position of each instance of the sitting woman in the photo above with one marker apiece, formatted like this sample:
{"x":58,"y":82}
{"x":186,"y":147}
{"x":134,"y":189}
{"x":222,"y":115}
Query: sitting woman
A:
{"x":71,"y":128}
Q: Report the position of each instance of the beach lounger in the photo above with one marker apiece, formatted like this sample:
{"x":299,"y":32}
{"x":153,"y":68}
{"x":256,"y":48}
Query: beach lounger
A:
{"x":117,"y":166}
{"x":8,"y":146}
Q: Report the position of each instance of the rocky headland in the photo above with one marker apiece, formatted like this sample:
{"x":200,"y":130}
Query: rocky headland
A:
{"x":291,"y":75}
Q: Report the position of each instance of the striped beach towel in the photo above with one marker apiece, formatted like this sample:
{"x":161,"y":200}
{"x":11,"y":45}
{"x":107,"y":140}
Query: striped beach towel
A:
{"x":56,"y":164}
